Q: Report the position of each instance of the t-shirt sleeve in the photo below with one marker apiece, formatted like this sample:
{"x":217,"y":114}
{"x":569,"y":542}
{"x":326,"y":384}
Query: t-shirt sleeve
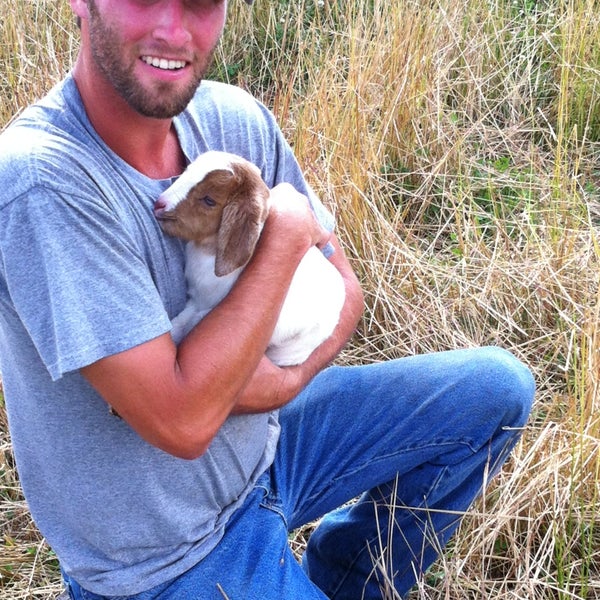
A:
{"x":76,"y":279}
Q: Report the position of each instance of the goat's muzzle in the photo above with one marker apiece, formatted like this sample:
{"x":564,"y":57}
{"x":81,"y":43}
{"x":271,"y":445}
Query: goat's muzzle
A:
{"x":161,"y":212}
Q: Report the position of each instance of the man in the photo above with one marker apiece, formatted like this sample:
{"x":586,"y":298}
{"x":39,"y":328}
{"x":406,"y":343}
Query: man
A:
{"x":216,"y":453}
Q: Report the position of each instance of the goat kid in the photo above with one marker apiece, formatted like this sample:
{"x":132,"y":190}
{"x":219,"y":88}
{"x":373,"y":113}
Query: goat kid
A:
{"x":219,"y":206}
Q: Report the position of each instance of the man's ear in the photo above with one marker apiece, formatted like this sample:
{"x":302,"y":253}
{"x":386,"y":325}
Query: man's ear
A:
{"x":80,"y":8}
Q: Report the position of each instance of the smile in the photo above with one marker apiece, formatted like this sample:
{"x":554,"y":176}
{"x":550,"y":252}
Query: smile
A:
{"x":163,"y":63}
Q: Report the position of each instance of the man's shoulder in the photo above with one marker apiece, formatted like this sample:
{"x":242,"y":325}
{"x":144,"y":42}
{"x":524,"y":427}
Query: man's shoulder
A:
{"x":222,"y":116}
{"x":47,"y":114}
{"x":23,"y":151}
{"x":46,"y":139}
{"x":219,"y":90}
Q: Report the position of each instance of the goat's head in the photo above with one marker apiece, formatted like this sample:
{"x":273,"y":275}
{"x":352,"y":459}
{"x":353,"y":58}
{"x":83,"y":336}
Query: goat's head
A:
{"x":219,"y":202}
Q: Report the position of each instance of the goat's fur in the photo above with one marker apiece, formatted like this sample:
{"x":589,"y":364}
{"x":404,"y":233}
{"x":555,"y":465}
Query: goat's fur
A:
{"x":219,"y":205}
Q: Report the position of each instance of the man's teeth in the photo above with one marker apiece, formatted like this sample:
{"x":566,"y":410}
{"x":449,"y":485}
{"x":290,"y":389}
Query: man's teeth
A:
{"x":163,"y":63}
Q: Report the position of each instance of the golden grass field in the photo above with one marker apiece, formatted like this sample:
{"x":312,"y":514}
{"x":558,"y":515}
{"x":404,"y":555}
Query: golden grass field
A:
{"x":458,"y":144}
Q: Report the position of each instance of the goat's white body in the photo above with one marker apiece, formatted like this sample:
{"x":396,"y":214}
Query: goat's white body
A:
{"x":308,"y":317}
{"x":205,"y":290}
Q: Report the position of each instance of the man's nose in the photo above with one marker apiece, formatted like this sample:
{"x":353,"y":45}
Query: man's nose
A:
{"x":172,"y":24}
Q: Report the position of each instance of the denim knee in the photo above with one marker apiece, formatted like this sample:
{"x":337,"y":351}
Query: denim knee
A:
{"x":512,"y":386}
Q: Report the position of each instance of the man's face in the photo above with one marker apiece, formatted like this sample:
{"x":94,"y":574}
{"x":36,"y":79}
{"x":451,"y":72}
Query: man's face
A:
{"x":155,"y":52}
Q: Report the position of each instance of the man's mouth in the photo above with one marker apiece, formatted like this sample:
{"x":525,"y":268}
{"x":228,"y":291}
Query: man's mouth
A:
{"x":163,"y":63}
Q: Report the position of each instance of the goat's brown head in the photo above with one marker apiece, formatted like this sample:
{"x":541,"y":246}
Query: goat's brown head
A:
{"x":219,"y":202}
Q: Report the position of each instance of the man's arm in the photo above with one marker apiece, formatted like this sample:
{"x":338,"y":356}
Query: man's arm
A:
{"x":178,"y":398}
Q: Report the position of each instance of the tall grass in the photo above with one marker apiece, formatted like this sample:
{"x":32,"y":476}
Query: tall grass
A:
{"x":458,"y":144}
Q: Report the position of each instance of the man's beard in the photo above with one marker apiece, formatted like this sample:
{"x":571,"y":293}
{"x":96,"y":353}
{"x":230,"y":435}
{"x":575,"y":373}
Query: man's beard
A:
{"x":163,"y":102}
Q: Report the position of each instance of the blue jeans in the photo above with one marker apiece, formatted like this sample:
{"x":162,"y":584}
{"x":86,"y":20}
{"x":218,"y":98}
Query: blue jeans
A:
{"x":415,"y":439}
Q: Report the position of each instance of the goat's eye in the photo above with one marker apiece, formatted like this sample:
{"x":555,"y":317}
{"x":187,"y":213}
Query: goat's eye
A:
{"x":208,"y":201}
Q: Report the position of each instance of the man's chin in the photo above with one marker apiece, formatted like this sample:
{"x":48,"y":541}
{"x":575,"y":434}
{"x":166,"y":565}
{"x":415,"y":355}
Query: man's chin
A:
{"x":161,"y":105}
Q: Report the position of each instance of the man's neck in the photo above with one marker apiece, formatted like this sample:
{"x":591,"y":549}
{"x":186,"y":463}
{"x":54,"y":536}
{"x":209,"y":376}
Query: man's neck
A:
{"x":149,"y":145}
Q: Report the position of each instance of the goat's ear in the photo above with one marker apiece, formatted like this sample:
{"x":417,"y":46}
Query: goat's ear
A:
{"x":241,"y":224}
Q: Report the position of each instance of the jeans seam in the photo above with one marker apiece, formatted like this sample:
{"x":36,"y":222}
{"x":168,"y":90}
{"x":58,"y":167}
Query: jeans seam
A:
{"x":385,"y":457}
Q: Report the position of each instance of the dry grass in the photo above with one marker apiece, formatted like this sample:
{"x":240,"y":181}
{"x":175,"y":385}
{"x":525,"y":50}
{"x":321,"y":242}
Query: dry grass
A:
{"x":459,"y":145}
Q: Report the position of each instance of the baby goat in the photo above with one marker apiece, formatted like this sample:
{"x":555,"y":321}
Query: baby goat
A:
{"x":219,"y":205}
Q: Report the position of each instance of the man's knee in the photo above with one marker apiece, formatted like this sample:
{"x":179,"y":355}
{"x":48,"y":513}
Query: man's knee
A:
{"x":509,"y":384}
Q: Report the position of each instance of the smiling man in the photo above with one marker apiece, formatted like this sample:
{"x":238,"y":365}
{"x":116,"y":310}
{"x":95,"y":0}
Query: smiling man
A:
{"x":216,"y":453}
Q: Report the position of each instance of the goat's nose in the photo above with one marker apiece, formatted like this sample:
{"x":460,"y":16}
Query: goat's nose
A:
{"x":160,"y":206}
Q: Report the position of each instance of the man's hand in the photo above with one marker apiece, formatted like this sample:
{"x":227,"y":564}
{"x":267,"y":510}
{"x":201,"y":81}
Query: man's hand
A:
{"x":290,"y":212}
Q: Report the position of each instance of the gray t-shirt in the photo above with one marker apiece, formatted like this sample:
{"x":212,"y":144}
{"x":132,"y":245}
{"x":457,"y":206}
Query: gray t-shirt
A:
{"x":86,"y":272}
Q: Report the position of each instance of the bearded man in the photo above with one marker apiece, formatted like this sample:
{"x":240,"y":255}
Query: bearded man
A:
{"x":216,"y":453}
